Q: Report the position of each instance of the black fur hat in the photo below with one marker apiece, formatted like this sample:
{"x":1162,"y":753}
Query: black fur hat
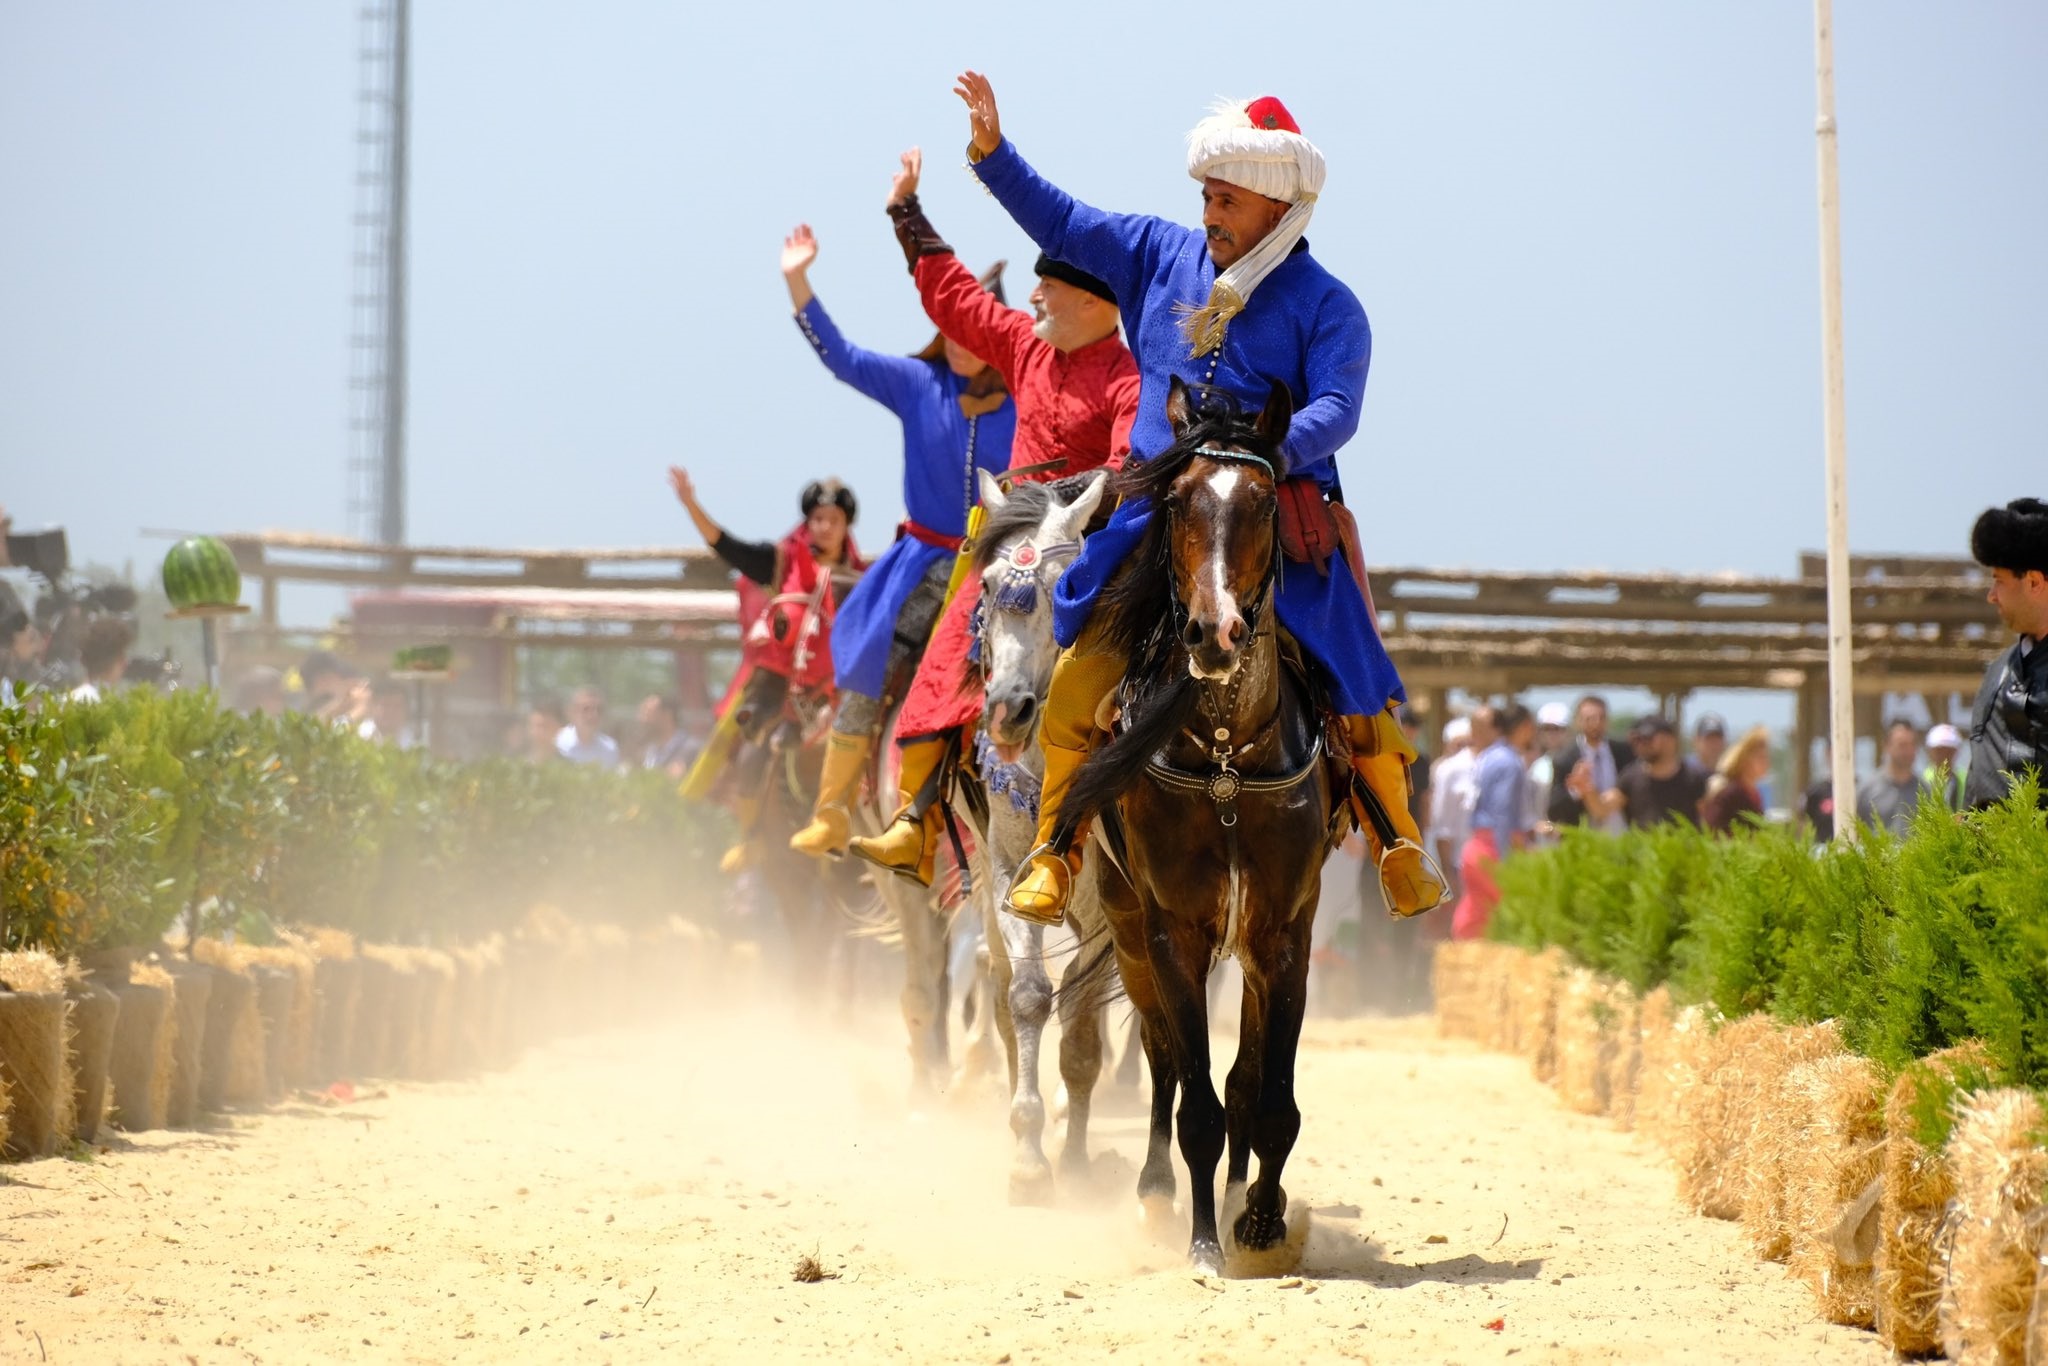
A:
{"x":2013,"y":538}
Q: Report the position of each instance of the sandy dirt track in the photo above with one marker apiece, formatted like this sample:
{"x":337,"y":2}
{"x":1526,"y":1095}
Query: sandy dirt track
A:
{"x":635,"y":1194}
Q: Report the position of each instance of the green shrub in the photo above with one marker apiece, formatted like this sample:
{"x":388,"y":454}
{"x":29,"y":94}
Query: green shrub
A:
{"x":1911,"y":945}
{"x":119,"y":818}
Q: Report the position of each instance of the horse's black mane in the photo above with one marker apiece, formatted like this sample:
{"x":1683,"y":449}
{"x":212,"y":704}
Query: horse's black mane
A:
{"x":1135,"y":613}
{"x":1022,"y":512}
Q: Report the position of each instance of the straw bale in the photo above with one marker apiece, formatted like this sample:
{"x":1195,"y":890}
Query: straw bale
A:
{"x":337,"y":991}
{"x":232,"y":1058}
{"x":1452,"y":972}
{"x":1710,"y":1174}
{"x":277,"y":993}
{"x":1833,"y":1176}
{"x":1496,"y":983}
{"x":1536,"y":981}
{"x":31,"y":972}
{"x":1594,"y":1014}
{"x":145,"y":1040}
{"x":35,"y":1066}
{"x":377,"y":1000}
{"x":1624,"y":1061}
{"x":2000,"y":1171}
{"x":1918,"y":1184}
{"x":1768,"y":1129}
{"x":1657,"y":1039}
{"x":326,"y":943}
{"x":188,"y":1054}
{"x":6,"y":1109}
{"x":430,"y":1038}
{"x":94,"y":1011}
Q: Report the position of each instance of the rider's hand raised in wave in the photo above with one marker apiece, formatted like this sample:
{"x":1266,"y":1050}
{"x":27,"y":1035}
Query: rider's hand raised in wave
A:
{"x":985,"y":125}
{"x":799,"y":249}
{"x":903,"y":184}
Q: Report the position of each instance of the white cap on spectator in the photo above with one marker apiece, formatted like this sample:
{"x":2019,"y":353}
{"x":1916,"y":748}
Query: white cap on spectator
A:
{"x":1456,"y":729}
{"x":1944,"y":736}
{"x":1554,"y":714}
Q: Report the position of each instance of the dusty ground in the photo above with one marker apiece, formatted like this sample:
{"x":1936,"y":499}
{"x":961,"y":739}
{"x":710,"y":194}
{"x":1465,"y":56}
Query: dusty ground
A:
{"x":636,"y":1193}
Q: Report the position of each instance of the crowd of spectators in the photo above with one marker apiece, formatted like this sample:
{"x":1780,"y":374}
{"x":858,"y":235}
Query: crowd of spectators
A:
{"x":1504,"y":779}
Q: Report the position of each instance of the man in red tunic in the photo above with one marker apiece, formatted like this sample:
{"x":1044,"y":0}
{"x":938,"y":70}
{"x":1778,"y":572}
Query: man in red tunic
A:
{"x":1076,"y":389}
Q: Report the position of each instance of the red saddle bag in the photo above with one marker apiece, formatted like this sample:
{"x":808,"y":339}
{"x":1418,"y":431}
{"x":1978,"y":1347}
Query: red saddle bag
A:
{"x":1308,"y":531}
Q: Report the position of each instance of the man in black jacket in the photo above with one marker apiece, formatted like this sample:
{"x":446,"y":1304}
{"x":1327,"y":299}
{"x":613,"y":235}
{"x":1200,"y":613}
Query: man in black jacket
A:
{"x":2009,"y":723}
{"x":1590,"y":763}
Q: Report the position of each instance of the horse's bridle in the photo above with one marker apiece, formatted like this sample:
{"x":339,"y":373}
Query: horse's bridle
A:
{"x":1226,"y":784}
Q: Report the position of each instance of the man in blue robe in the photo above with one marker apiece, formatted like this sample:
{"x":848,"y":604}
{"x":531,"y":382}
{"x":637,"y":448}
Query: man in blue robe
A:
{"x":1233,"y":306}
{"x":957,"y":419}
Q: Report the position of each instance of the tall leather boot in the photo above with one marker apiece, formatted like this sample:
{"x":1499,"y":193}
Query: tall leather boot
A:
{"x":831,"y":818}
{"x":910,"y":846}
{"x":1080,"y":681}
{"x":746,"y":811}
{"x":1380,"y":754}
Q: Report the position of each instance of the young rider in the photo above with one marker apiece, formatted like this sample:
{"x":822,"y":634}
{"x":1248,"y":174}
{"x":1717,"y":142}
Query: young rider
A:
{"x":957,"y":419}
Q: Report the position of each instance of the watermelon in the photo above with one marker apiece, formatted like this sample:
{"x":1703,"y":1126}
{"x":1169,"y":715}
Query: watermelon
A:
{"x":200,"y":571}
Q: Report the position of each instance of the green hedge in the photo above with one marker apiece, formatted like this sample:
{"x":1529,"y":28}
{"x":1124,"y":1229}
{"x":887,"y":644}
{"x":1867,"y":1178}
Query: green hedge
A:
{"x":1911,"y":944}
{"x":120,"y":818}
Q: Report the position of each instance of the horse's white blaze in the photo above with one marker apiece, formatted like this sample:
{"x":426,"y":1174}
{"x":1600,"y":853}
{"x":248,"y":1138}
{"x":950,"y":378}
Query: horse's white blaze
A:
{"x":1223,"y":483}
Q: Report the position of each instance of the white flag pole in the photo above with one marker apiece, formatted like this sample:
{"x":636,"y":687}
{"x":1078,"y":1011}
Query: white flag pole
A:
{"x":1841,"y":694}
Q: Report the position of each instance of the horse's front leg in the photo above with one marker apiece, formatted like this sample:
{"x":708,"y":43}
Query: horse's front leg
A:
{"x":924,"y":969}
{"x":1274,"y":1119}
{"x":1082,"y":988}
{"x":1030,"y":1006}
{"x":1180,"y":968}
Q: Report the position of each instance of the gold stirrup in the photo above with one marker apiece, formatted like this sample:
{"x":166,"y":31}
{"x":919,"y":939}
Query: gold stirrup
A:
{"x":1047,"y":885}
{"x":1423,"y":884}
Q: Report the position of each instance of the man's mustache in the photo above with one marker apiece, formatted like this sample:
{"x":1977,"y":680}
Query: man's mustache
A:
{"x":1218,"y":234}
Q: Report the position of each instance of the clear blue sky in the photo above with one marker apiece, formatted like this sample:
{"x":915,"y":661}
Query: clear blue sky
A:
{"x":1585,"y":234}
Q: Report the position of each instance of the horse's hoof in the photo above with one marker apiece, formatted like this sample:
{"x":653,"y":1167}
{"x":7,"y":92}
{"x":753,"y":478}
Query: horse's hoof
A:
{"x":1206,"y":1257}
{"x":1264,"y":1245}
{"x":1031,"y":1186}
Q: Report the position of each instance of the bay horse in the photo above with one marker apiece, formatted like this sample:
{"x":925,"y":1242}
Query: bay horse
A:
{"x":1224,"y":799}
{"x":1032,"y":534}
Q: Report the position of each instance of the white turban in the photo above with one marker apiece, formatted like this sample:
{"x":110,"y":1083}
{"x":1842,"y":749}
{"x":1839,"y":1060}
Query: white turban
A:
{"x":1255,"y":145}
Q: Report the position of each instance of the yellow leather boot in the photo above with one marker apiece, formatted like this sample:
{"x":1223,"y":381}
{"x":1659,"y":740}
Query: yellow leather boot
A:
{"x":1080,"y":681}
{"x":831,"y":818}
{"x":1380,"y":754}
{"x":746,"y":811}
{"x":910,"y":846}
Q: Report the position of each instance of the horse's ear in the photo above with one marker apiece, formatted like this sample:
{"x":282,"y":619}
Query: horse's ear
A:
{"x":1074,"y":516}
{"x":1276,"y":416}
{"x":1179,"y":410}
{"x":992,"y":495}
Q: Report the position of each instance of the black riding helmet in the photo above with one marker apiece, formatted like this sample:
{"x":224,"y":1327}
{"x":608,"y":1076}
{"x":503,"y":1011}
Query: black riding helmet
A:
{"x":831,"y":493}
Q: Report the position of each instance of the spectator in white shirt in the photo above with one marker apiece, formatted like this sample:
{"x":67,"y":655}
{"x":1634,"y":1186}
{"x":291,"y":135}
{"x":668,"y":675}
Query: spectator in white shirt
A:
{"x":1451,"y":794}
{"x":582,"y":741}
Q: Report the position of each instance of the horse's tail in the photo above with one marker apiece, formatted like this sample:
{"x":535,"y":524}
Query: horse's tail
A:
{"x":1149,"y":722}
{"x":1093,"y":978}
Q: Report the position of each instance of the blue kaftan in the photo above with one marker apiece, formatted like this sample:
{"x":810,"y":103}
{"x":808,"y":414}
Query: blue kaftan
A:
{"x":1301,"y":327}
{"x":942,"y":448}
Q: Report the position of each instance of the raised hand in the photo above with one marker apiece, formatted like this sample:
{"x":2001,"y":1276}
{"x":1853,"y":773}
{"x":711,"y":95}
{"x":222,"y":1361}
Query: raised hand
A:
{"x":799,"y":249}
{"x":984,"y":124}
{"x":903,"y":184}
{"x":679,"y":480}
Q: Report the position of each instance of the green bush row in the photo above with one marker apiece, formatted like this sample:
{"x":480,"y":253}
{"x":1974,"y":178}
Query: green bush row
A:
{"x":123,"y":817}
{"x":1911,"y":944}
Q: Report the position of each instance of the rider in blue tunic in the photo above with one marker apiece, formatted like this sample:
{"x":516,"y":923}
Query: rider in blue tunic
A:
{"x":957,"y":419}
{"x":1234,"y":306}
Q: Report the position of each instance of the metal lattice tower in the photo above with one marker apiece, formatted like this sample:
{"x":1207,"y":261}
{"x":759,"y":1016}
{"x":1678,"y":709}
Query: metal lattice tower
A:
{"x":376,"y":460}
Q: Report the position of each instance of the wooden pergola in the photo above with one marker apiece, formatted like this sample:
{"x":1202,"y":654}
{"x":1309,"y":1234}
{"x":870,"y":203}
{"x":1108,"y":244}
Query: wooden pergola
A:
{"x":1922,"y":625}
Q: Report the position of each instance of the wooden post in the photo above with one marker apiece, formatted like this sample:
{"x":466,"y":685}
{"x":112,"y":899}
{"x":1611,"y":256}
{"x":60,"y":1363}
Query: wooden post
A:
{"x":1840,"y":683}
